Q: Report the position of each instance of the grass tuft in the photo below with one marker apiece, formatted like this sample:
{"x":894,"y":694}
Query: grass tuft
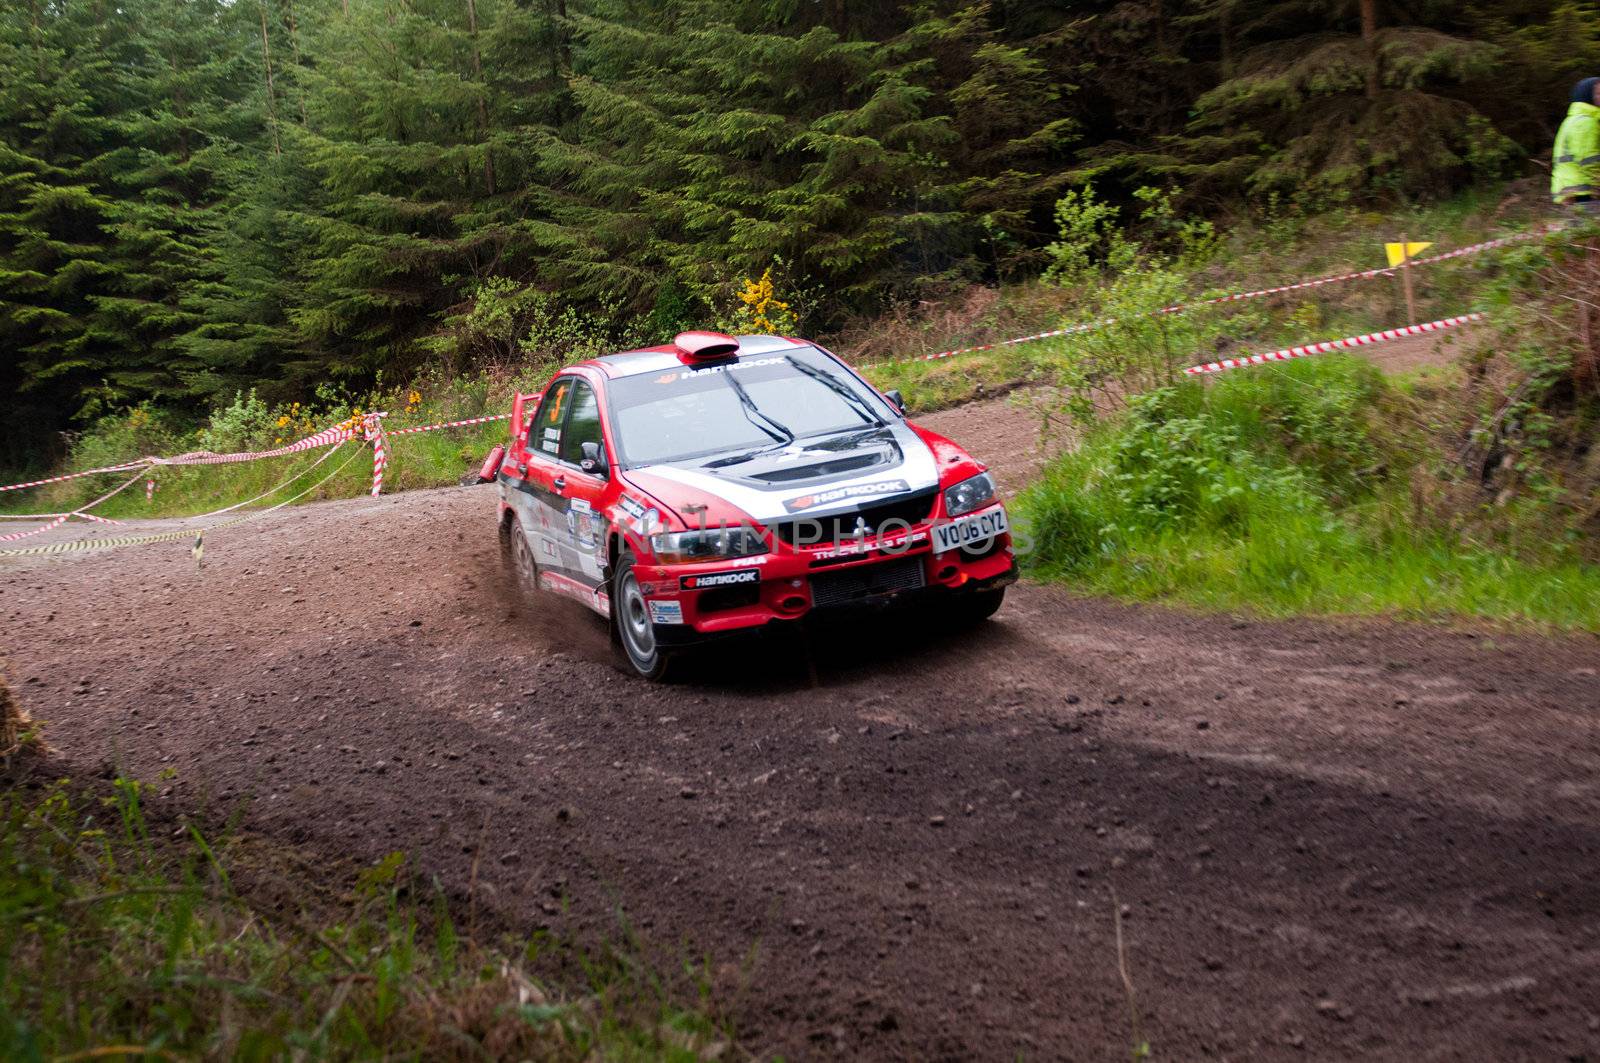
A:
{"x":117,"y":939}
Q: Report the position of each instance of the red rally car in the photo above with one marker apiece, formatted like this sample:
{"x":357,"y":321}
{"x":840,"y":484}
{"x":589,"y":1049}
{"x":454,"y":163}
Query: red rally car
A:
{"x":722,"y":483}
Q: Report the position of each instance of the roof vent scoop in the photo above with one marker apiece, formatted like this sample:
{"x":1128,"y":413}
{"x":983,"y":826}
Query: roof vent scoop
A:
{"x":706,"y":346}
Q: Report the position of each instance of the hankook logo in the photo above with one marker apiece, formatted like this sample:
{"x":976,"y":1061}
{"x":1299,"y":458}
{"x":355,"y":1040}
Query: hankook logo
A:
{"x":718,"y":579}
{"x":840,"y":494}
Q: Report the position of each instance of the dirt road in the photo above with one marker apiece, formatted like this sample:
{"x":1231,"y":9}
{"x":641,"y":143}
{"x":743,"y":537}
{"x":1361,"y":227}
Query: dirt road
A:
{"x":1327,"y":840}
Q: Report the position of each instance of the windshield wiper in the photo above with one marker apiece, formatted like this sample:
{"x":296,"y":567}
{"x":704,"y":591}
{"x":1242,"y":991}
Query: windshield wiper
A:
{"x":838,"y":386}
{"x":745,"y":455}
{"x":773,"y":428}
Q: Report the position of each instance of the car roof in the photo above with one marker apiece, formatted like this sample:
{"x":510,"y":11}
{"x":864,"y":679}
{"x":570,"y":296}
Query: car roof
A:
{"x":668,"y":356}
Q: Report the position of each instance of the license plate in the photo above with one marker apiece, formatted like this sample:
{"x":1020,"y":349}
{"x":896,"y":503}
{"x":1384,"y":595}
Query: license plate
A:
{"x":966,"y":531}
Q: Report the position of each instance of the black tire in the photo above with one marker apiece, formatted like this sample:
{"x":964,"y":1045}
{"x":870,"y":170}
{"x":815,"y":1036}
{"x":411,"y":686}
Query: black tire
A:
{"x":518,"y":553}
{"x":631,"y":628}
{"x":974,"y":607}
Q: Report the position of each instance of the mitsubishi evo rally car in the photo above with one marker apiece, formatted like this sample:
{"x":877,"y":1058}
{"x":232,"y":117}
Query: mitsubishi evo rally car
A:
{"x":723,"y":483}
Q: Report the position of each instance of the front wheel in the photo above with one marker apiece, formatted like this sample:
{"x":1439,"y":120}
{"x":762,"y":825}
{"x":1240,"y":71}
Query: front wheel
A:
{"x":631,"y":624}
{"x":974,"y":607}
{"x":521,"y":557}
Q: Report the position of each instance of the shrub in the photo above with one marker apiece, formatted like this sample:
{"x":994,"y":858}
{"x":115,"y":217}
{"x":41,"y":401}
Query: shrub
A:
{"x":1286,"y":488}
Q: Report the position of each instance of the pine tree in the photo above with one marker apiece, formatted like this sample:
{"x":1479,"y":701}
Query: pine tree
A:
{"x":709,"y":150}
{"x":176,"y":140}
{"x":421,"y":117}
{"x":57,"y":121}
{"x":1354,"y":106}
{"x":1546,"y":49}
{"x":1000,"y":79}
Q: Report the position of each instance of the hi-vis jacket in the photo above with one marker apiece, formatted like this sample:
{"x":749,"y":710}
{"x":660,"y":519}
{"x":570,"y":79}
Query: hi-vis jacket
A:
{"x":1577,"y":155}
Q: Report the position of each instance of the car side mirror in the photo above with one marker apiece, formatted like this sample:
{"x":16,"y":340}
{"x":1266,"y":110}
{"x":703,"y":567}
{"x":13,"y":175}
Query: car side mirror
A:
{"x":594,"y":460}
{"x":897,"y":400}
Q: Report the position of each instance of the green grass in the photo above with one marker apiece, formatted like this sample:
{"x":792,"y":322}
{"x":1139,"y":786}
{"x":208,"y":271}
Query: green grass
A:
{"x":937,"y":385}
{"x":118,"y":940}
{"x":1288,"y":490}
{"x":427,"y":459}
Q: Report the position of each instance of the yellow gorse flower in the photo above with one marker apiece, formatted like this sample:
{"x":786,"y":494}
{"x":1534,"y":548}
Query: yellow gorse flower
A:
{"x":761,"y":300}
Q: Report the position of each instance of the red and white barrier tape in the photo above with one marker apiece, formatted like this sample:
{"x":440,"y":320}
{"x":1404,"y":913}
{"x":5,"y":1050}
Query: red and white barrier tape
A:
{"x":74,"y":475}
{"x":326,"y":437}
{"x":187,"y":533}
{"x":451,"y":424}
{"x":52,"y":516}
{"x":1335,"y":345}
{"x":62,"y":518}
{"x":14,"y":536}
{"x":1366,"y":274}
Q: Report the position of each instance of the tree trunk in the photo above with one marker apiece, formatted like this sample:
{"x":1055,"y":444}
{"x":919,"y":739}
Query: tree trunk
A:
{"x":1369,"y":34}
{"x":294,"y":52}
{"x":272,"y":101}
{"x":483,"y":102}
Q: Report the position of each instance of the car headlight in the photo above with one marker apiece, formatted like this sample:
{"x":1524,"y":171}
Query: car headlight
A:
{"x":972,"y":493}
{"x":707,"y":544}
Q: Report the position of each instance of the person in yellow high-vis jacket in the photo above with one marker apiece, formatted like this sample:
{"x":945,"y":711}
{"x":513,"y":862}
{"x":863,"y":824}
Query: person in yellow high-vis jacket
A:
{"x":1575,"y":175}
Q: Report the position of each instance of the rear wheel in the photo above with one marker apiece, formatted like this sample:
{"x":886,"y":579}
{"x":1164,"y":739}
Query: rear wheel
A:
{"x":630,"y":622}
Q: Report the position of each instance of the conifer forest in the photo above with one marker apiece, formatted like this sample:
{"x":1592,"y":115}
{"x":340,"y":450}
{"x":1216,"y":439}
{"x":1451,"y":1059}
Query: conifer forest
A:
{"x":199,"y":197}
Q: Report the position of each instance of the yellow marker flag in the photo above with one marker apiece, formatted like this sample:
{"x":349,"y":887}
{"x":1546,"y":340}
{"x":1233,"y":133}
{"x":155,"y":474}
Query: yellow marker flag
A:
{"x":1398,"y":253}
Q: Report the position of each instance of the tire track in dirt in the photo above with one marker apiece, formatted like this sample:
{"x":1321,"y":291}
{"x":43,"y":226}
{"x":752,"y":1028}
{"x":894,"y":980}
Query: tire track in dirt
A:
{"x":1332,"y":839}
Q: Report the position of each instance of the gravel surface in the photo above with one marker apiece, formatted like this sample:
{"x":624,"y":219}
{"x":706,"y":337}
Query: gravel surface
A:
{"x":1325,"y":839}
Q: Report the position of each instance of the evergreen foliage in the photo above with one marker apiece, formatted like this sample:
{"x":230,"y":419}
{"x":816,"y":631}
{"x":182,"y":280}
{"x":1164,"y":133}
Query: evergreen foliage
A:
{"x":199,"y":197}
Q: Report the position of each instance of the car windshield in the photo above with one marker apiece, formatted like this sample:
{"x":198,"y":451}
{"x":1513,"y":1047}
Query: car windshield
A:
{"x":767,"y":401}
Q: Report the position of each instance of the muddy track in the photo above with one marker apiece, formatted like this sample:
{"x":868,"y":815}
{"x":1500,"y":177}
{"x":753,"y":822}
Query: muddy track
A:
{"x":1326,"y":839}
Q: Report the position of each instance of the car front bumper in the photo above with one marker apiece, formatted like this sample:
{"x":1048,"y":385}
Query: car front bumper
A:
{"x":692,"y":602}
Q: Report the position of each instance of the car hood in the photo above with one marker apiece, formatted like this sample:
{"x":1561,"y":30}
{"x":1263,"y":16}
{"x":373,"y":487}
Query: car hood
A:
{"x":832,"y":474}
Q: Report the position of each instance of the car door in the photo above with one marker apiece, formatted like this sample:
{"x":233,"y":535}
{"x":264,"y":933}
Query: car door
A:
{"x":585,"y":541}
{"x":541,"y":506}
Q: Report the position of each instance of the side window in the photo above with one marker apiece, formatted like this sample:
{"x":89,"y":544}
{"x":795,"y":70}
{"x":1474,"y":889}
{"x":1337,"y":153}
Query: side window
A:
{"x":544,"y":435}
{"x":583,"y":423}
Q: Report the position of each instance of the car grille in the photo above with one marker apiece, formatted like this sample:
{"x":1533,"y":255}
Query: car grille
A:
{"x":718,"y":599}
{"x":908,"y":510}
{"x":867,"y":581}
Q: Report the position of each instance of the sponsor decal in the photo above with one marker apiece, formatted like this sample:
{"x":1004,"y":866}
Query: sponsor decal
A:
{"x":581,"y":523}
{"x":685,"y":374}
{"x":719,"y":579}
{"x":802,"y":503}
{"x":892,"y":545}
{"x":632,"y":514}
{"x":666,"y":612}
{"x":594,"y":597}
{"x":759,"y":559}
